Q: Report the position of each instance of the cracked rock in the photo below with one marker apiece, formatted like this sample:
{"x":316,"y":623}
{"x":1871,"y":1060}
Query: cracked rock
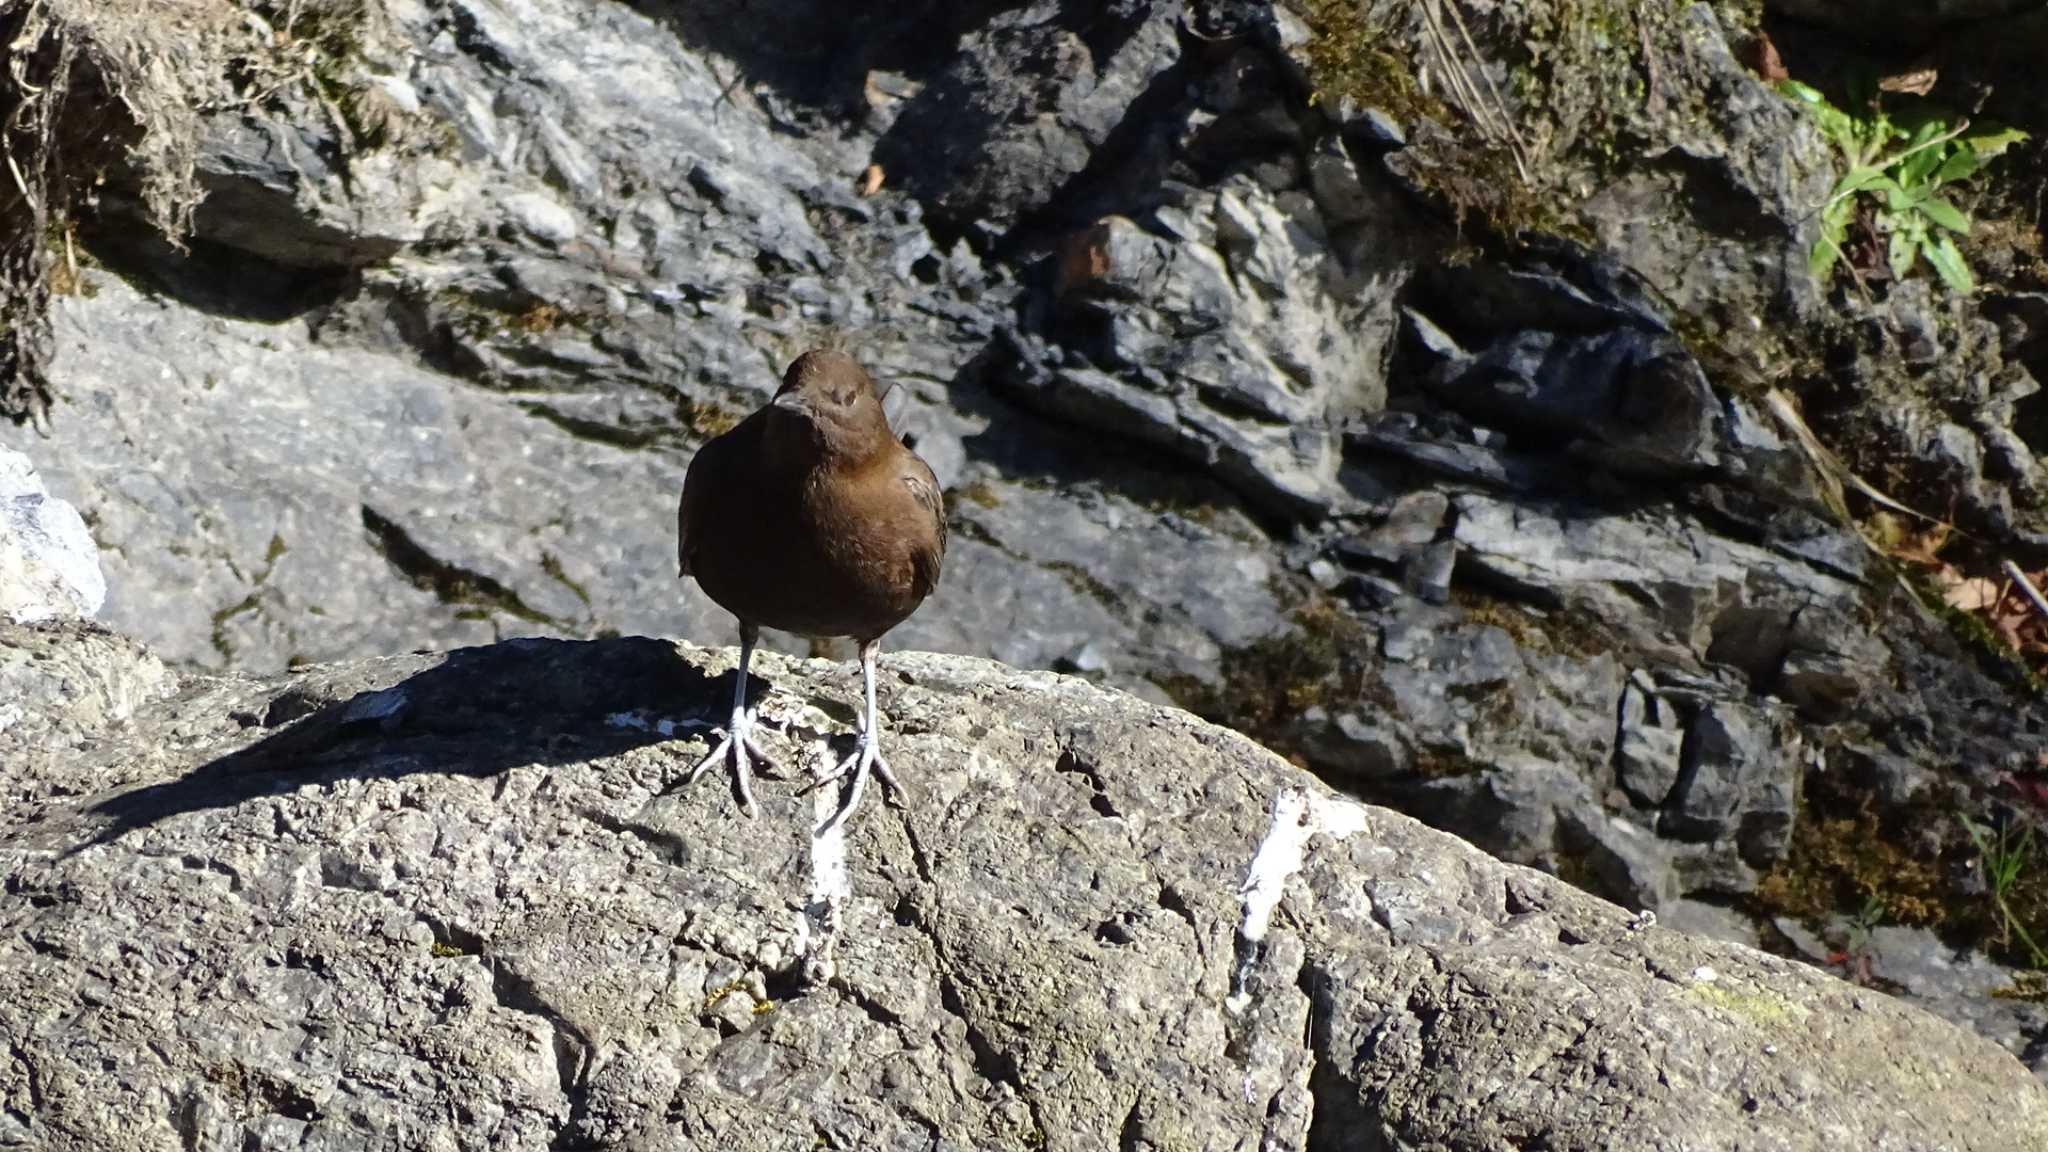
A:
{"x":1097,"y":917}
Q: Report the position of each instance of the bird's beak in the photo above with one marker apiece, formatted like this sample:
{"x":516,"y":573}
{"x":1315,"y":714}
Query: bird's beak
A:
{"x":793,"y":402}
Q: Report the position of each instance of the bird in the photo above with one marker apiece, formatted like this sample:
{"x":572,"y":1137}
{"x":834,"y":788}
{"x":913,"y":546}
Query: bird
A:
{"x":811,"y":517}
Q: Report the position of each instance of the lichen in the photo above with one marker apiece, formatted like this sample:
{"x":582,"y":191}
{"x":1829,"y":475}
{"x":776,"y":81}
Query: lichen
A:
{"x":1765,"y":1009}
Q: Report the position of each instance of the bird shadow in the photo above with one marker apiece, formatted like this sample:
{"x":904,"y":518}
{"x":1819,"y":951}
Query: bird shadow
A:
{"x":477,"y":713}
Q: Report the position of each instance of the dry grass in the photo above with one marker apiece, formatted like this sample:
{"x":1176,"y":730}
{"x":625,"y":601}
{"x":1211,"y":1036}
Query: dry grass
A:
{"x":93,"y":86}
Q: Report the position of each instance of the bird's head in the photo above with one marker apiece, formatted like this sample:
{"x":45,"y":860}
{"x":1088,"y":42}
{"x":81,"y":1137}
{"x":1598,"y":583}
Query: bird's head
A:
{"x":829,"y":404}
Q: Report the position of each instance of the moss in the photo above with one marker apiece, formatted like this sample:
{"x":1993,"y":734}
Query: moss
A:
{"x":220,"y":618}
{"x":445,"y":950}
{"x":1845,"y":854}
{"x":1268,"y":684}
{"x":705,"y":417}
{"x":1085,"y":582}
{"x":716,"y":996}
{"x":1970,"y":629}
{"x":1351,"y":55}
{"x":537,"y":318}
{"x":979,"y":492}
{"x":1445,"y":764}
{"x":1566,"y":633}
{"x":2030,"y":987}
{"x":1913,"y":861}
{"x":551,"y":565}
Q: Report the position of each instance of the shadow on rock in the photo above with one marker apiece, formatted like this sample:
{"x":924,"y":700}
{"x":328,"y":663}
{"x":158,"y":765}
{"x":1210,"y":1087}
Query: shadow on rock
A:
{"x":478,"y":712}
{"x":825,"y":69}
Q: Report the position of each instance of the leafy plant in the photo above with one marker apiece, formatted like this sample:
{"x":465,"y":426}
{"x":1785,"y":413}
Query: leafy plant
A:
{"x":1901,"y":167}
{"x":2005,"y":854}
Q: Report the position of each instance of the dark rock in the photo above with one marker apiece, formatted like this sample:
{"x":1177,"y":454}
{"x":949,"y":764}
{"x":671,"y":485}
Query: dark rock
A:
{"x":1647,"y":758}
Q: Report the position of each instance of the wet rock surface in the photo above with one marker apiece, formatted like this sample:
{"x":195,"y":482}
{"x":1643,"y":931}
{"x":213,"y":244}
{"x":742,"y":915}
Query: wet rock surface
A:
{"x":459,"y":901}
{"x":1233,"y":404}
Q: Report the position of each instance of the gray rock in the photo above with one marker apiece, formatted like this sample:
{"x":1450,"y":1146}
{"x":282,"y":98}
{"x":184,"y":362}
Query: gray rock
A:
{"x":441,"y":352}
{"x":1652,"y":740}
{"x":49,"y":566}
{"x":1736,"y":780}
{"x":1019,"y":108}
{"x":62,"y":683}
{"x":495,"y":926}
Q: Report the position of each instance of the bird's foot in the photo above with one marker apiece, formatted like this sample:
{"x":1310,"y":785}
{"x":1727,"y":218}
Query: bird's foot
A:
{"x":864,"y":760}
{"x":736,"y":743}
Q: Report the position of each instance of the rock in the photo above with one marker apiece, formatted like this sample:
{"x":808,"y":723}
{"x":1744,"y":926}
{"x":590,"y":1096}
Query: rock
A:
{"x":1734,"y":777}
{"x":49,"y":565}
{"x":63,"y":683}
{"x":1019,"y":108}
{"x":495,"y":926}
{"x":1211,"y":329}
{"x":542,"y":217}
{"x":1652,"y":741}
{"x":1235,"y":400}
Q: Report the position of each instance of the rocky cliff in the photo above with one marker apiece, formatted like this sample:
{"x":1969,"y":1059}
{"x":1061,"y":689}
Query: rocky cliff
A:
{"x":457,"y":901}
{"x":1441,"y":394}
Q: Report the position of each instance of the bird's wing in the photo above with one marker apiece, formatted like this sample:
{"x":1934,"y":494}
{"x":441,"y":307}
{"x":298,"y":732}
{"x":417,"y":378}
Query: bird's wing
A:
{"x":688,"y":509}
{"x":925,"y":562}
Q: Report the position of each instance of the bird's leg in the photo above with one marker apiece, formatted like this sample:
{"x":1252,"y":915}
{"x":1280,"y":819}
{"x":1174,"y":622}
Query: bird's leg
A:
{"x":738,"y":740}
{"x":868,"y":756}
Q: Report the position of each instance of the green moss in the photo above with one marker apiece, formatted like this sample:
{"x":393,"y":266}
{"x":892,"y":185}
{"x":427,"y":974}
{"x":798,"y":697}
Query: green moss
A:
{"x":1352,"y":55}
{"x":220,"y":619}
{"x":1913,"y":864}
{"x":1970,"y":629}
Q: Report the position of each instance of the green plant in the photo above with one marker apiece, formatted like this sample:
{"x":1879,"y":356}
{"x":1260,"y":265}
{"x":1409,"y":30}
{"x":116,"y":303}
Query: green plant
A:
{"x":1900,"y":167}
{"x":2005,"y":854}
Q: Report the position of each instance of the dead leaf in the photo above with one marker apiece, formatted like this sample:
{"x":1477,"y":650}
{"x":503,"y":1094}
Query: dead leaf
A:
{"x":871,"y":181}
{"x":1768,"y":64}
{"x":1918,"y":82}
{"x":1975,"y":594}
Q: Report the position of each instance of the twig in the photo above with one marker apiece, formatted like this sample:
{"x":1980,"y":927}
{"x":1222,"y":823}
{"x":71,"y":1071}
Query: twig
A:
{"x":2026,"y":586}
{"x":1833,"y":472}
{"x":19,"y":182}
{"x":1507,"y":119}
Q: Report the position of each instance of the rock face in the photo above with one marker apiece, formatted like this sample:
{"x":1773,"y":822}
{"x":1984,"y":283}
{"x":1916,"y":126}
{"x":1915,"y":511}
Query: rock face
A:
{"x":1242,"y":395}
{"x":451,"y":902}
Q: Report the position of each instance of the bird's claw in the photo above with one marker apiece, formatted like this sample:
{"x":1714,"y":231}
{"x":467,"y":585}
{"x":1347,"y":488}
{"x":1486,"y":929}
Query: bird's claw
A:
{"x":736,"y":743}
{"x":863,"y":761}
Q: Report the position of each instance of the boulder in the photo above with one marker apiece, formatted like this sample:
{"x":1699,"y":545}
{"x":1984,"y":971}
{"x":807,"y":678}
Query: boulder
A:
{"x":459,"y":901}
{"x":49,"y":565}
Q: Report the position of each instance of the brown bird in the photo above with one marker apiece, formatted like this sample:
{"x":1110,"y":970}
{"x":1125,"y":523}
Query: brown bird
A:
{"x":811,"y":517}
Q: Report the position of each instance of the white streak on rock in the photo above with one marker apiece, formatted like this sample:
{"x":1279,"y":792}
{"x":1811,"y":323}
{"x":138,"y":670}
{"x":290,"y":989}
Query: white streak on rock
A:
{"x":1297,"y":816}
{"x":831,"y":881}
